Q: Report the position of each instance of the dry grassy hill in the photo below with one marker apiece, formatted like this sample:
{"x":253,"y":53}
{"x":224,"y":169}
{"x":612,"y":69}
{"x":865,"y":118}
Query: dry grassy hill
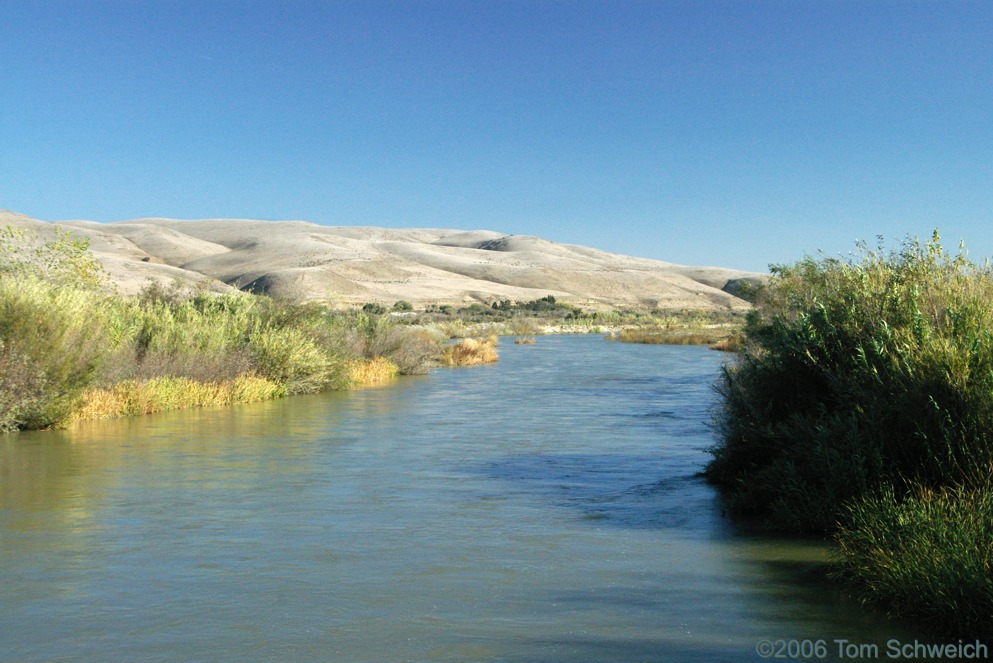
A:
{"x":355,"y":265}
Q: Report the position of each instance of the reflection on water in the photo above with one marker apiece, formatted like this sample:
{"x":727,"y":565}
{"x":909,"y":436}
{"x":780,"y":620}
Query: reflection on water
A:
{"x":546,"y":508}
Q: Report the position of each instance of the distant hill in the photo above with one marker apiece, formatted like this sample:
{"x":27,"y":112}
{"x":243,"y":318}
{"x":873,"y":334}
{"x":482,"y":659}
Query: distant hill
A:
{"x":356,"y":265}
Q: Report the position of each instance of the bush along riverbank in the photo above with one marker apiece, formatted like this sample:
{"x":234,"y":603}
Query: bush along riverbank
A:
{"x":70,"y":350}
{"x":862,"y":406}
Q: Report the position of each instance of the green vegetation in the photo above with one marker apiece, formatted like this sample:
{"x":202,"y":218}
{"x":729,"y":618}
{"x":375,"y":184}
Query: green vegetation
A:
{"x":546,"y":308}
{"x":928,"y":555}
{"x":52,"y":341}
{"x":546,"y":304}
{"x":68,"y":349}
{"x":862,"y":405}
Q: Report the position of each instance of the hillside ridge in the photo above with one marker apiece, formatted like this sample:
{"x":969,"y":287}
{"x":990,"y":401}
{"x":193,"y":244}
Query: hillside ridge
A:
{"x":357,"y":264}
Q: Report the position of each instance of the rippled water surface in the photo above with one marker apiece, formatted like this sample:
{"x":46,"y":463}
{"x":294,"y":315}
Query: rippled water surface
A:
{"x":546,"y":508}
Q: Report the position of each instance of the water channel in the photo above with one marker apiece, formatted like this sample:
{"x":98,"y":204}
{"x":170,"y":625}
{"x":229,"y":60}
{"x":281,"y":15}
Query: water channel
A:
{"x":546,"y":508}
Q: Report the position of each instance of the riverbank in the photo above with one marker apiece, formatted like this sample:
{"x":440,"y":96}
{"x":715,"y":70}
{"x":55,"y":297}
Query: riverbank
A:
{"x":71,"y":348}
{"x":70,"y":351}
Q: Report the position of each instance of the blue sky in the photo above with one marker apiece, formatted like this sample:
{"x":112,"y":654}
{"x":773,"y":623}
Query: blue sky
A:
{"x":700,"y":132}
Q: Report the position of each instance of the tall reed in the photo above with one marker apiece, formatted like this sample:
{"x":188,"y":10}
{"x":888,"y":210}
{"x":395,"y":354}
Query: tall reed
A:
{"x":929,"y":555}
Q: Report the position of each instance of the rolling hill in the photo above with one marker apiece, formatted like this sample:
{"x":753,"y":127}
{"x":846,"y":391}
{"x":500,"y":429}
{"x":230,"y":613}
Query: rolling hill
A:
{"x":355,"y":265}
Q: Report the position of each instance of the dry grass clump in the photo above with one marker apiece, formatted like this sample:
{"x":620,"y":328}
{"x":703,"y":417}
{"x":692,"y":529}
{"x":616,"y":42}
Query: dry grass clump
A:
{"x":173,"y":393}
{"x":524,"y":330}
{"x":733,"y":343}
{"x":471,"y":352}
{"x":365,"y":372}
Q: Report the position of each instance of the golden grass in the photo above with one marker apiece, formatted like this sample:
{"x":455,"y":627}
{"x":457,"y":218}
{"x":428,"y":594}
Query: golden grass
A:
{"x":471,"y":352}
{"x":365,"y":372}
{"x":134,"y":397}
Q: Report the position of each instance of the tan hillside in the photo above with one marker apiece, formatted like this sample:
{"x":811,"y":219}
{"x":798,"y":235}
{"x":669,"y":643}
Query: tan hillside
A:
{"x":355,"y":265}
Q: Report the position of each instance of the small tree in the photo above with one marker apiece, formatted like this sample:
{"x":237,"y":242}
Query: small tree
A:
{"x":373,"y":308}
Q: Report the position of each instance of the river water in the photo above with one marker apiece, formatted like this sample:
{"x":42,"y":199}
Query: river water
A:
{"x":546,"y":508}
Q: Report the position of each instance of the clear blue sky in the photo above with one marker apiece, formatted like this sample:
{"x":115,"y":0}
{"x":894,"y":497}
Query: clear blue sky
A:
{"x":700,"y":132}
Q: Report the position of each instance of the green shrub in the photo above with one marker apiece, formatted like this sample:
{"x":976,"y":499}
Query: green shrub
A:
{"x":173,"y":335}
{"x":52,"y":340}
{"x":858,"y":374}
{"x":21,"y":388}
{"x":207,"y":325}
{"x":291,"y":357}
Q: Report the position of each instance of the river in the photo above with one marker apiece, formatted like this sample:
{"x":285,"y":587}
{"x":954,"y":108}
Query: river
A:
{"x":546,"y":508}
